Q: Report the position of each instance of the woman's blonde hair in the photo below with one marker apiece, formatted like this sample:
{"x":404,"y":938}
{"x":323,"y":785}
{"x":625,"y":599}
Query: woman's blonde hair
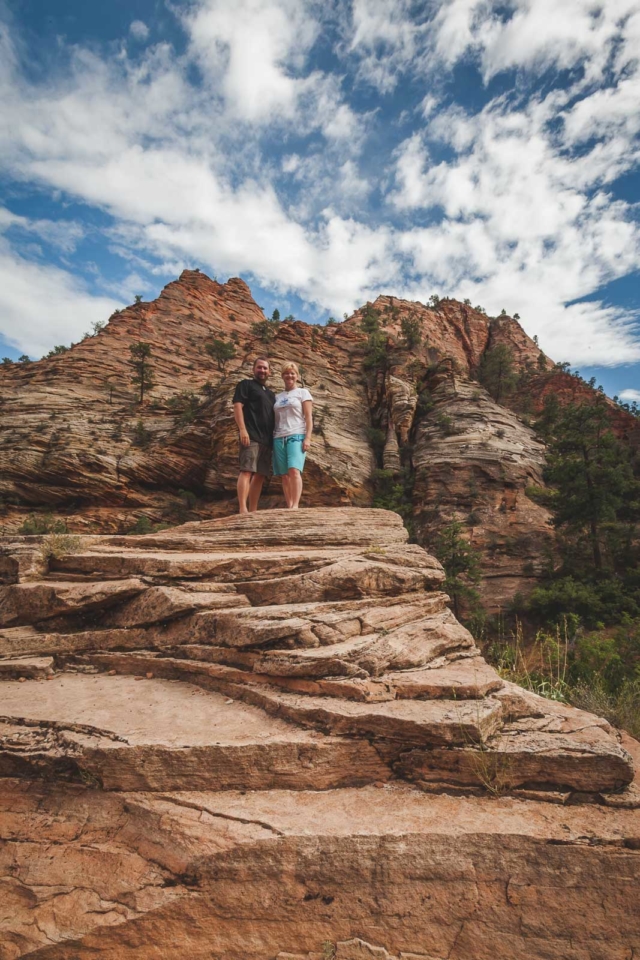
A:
{"x":291,"y":366}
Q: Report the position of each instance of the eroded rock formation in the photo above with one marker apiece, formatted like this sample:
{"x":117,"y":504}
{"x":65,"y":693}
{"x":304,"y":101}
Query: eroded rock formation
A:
{"x":268,"y":737}
{"x":75,"y":441}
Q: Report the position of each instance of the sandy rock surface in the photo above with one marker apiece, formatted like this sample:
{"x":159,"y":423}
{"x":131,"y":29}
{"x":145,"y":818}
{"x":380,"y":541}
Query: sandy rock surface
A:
{"x":268,"y":737}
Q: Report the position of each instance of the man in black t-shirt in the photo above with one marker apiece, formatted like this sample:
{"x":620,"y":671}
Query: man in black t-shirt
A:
{"x":253,"y":411}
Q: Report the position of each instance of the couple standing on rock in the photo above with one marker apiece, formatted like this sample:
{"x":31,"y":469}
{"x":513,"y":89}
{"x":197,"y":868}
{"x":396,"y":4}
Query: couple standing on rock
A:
{"x":275,"y":433}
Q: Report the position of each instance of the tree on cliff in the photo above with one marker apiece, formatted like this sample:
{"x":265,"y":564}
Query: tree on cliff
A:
{"x":267,"y":329}
{"x":461,"y":564}
{"x":142,"y":375}
{"x":221,"y":350}
{"x":596,"y":495}
{"x":497,"y":372}
{"x":411,"y":331}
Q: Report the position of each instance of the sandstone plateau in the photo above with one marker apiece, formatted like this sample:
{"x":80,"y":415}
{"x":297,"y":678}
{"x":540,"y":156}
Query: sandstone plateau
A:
{"x":268,"y":737}
{"x":75,"y":442}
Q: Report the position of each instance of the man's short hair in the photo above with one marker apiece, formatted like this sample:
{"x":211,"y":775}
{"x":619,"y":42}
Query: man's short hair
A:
{"x":258,"y":359}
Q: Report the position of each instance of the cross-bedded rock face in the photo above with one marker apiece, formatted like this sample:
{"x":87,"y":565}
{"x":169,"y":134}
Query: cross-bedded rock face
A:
{"x":74,"y":439}
{"x":268,"y":736}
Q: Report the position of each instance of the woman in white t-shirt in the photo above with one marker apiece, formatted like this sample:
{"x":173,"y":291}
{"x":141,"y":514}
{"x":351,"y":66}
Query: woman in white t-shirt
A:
{"x":292,"y":434}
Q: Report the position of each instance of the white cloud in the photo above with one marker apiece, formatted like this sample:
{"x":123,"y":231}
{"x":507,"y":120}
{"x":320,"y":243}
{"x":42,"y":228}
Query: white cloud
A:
{"x":525,"y":218}
{"x":252,"y":49}
{"x":630,"y":396}
{"x":531,"y":34}
{"x":385,"y":38}
{"x":517,"y":215}
{"x":43,"y":305}
{"x":139,"y":30}
{"x":62,"y":234}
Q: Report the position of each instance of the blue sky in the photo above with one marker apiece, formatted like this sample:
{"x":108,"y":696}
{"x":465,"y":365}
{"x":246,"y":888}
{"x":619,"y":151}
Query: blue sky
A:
{"x":326,"y":152}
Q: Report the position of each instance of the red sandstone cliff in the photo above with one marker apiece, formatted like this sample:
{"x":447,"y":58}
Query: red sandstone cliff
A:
{"x":75,"y":441}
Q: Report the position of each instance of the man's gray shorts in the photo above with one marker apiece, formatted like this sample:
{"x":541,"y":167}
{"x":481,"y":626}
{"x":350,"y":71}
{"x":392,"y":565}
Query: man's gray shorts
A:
{"x":256,"y":458}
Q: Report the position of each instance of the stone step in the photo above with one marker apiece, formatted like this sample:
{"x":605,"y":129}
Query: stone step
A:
{"x":26,"y":667}
{"x":26,"y":603}
{"x":121,"y":734}
{"x":313,"y":624}
{"x":428,"y":722}
{"x":347,"y":578}
{"x":587,"y":760}
{"x":467,"y":678}
{"x":410,"y":646}
{"x":410,"y":721}
{"x":165,"y":565}
{"x":318,"y":526}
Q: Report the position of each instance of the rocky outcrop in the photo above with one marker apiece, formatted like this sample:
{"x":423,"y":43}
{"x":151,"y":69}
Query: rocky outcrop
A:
{"x":75,"y":441}
{"x":268,"y":736}
{"x":474,"y":461}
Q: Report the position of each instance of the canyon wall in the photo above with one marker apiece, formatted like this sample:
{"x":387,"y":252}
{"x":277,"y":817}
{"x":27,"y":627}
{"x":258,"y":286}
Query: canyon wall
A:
{"x":74,"y":440}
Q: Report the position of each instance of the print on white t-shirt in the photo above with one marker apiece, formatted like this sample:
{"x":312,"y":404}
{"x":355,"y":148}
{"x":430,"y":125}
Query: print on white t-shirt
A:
{"x":289,"y":412}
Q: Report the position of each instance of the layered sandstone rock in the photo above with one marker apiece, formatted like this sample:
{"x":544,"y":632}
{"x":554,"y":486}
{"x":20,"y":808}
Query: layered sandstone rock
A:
{"x":474,"y":461}
{"x":75,"y":441}
{"x":268,"y":736}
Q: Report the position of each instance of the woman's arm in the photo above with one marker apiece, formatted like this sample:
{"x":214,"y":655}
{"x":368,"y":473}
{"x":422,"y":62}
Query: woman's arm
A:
{"x":307,"y":409}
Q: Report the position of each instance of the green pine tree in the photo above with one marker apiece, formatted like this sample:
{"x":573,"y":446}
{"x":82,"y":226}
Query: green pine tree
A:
{"x":142,"y":375}
{"x":497,"y":372}
{"x":461,"y":563}
{"x":221,"y":350}
{"x":596,"y":493}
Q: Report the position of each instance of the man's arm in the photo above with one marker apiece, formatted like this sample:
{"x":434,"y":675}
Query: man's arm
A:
{"x":238,"y":414}
{"x":307,"y":409}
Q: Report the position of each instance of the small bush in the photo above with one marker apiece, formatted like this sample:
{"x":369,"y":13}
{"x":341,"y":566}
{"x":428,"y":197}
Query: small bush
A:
{"x":59,"y":545}
{"x":376,"y":438}
{"x":37,"y":524}
{"x":411,"y":331}
{"x":143,"y":526}
{"x":184,"y":406}
{"x":141,"y":436}
{"x":621,"y":709}
{"x":445,"y":424}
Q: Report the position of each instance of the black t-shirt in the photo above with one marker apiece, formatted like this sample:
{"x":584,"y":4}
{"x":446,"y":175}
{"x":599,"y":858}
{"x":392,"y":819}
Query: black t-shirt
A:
{"x":257,"y":406}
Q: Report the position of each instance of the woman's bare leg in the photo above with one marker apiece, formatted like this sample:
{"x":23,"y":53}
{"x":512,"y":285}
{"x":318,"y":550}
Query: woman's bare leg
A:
{"x":295,"y":488}
{"x":286,"y":489}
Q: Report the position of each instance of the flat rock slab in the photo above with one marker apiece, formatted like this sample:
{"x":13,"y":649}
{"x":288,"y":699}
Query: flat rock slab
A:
{"x":254,"y":875}
{"x":147,"y":734}
{"x":158,"y":604}
{"x":23,"y":603}
{"x":27,"y":667}
{"x":144,"y":711}
{"x":433,"y":722}
{"x":312,"y":527}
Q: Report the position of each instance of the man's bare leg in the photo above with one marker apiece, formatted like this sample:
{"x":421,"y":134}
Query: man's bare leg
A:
{"x":244,"y":484}
{"x":255,"y":489}
{"x":295,"y":488}
{"x":286,"y":489}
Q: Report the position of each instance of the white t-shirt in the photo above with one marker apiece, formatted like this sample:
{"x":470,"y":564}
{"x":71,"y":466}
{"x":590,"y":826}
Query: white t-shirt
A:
{"x":289,"y":413}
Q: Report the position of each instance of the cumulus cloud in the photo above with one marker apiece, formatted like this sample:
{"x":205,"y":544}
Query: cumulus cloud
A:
{"x":251,"y":152}
{"x":43,"y":305}
{"x":139,"y":30}
{"x":523,"y":222}
{"x":385,"y":38}
{"x":630,"y":396}
{"x":532,"y":34}
{"x":61,"y":234}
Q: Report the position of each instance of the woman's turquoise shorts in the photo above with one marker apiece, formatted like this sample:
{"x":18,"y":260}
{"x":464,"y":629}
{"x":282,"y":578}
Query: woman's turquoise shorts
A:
{"x":288,"y":453}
